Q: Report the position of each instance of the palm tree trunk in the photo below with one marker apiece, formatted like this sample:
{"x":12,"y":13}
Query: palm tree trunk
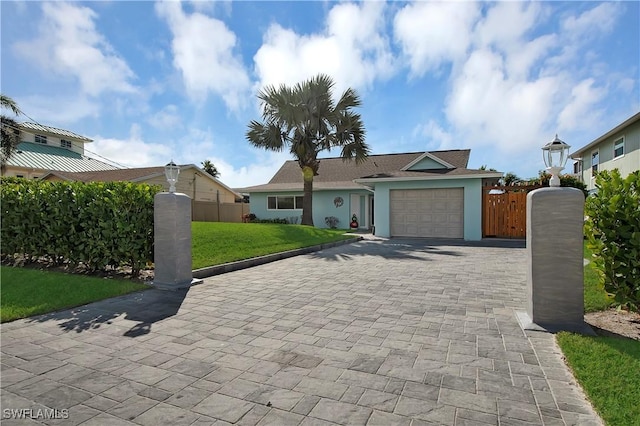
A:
{"x":307,"y":200}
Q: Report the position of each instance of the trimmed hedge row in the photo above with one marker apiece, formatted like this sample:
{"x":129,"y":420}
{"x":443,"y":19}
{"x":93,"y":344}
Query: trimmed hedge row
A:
{"x":96,"y":224}
{"x":613,"y":230}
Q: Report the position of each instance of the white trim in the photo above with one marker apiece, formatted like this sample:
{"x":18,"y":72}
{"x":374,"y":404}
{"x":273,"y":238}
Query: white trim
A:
{"x":283,"y":196}
{"x":400,"y":179}
{"x":591,"y":163}
{"x":431,"y":156}
{"x":346,"y":188}
{"x":619,"y":127}
{"x":623,"y":139}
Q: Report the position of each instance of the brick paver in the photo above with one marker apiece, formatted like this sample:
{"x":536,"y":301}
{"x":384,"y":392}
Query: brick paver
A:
{"x":405,"y":332}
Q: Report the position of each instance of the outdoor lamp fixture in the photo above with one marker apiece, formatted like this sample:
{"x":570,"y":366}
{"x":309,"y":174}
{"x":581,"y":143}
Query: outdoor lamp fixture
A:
{"x":555,"y":155}
{"x":171,"y":171}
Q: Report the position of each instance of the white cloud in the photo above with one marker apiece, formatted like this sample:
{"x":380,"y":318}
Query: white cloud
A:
{"x":68,"y":44}
{"x":352,"y":49}
{"x":203,"y":51}
{"x":600,"y":19}
{"x":580,"y":106}
{"x":167,"y":118}
{"x":434,"y":33}
{"x":47,"y":110}
{"x":131,"y":152}
{"x":258,"y":172}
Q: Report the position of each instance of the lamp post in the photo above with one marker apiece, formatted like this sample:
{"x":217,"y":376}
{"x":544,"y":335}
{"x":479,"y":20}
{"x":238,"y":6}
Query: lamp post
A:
{"x":171,"y":171}
{"x":555,"y":155}
{"x":172,"y":235}
{"x":555,"y":220}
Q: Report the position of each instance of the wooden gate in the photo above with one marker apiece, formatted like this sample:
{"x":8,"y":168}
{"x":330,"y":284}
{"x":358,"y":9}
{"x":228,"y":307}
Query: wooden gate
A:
{"x":504,"y":211}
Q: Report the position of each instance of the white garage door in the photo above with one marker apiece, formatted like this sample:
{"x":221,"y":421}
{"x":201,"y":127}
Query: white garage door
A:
{"x":437,"y":213}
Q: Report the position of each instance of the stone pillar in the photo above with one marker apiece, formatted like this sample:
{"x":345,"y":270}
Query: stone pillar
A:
{"x":555,"y":282}
{"x":172,"y":240}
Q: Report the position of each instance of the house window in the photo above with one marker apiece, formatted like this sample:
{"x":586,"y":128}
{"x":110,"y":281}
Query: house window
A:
{"x":284,"y":203}
{"x":577,"y":167}
{"x":41,"y":139}
{"x":19,"y":176}
{"x":618,"y":148}
{"x":595,"y":160}
{"x":65,"y":143}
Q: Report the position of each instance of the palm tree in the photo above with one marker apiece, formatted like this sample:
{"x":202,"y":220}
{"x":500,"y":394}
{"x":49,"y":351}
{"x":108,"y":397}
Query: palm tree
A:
{"x":208,"y":167}
{"x":9,"y":130}
{"x":305,"y":119}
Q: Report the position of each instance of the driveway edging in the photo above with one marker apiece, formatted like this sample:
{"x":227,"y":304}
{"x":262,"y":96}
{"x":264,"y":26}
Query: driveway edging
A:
{"x":210,"y":271}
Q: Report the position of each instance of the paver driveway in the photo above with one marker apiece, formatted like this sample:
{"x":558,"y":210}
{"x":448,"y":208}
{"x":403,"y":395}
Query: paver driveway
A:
{"x":376,"y":332}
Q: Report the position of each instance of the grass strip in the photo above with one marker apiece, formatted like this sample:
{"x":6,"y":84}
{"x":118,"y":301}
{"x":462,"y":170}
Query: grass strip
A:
{"x":608,"y":369}
{"x":215,"y":243}
{"x":26,"y":292}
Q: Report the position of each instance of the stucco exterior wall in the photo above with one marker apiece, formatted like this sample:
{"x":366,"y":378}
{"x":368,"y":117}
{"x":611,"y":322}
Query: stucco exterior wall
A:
{"x":472,"y":203}
{"x":196,"y":186}
{"x":323,"y":206}
{"x":626,"y":163}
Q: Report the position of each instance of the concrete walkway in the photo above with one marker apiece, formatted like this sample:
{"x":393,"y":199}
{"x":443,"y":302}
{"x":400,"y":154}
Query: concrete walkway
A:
{"x":377,"y":332}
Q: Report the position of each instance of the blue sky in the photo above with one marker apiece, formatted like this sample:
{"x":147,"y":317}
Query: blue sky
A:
{"x":151,"y":81}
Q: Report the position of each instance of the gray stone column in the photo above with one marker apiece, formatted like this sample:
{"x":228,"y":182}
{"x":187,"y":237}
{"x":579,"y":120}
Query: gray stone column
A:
{"x":555,"y":282}
{"x":172,"y":240}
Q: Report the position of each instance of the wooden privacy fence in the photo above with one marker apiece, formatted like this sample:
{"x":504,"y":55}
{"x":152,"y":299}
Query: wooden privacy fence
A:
{"x":504,"y":211}
{"x":210,"y":211}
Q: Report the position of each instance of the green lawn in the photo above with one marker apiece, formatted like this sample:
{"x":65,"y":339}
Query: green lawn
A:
{"x":26,"y":292}
{"x":608,"y":369}
{"x":215,"y":243}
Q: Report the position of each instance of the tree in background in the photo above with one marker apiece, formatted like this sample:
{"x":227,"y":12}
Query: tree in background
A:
{"x":305,"y":119}
{"x":510,"y":179}
{"x":9,"y":129}
{"x":208,"y":167}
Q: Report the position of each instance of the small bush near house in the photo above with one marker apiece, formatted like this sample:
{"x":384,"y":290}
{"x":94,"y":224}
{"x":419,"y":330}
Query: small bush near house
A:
{"x":332,"y":222}
{"x":565,"y":181}
{"x":613,"y":232}
{"x":276,"y":220}
{"x":97,"y":224}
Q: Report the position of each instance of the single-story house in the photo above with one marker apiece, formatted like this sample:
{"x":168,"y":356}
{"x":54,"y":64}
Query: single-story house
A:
{"x":418,"y":194}
{"x":618,"y":148}
{"x":192,"y":180}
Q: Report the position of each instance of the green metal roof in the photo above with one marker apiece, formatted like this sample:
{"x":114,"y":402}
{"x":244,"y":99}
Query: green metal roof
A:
{"x":46,"y":157}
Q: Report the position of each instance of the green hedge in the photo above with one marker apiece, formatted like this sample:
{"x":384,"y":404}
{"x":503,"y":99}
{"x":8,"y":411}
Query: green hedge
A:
{"x":96,"y":224}
{"x":613,"y":230}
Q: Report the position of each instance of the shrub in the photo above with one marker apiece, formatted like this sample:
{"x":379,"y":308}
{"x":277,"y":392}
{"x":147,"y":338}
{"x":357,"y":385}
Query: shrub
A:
{"x":565,"y":180}
{"x":613,"y":231}
{"x":332,"y":222}
{"x":276,"y":220}
{"x":96,"y":224}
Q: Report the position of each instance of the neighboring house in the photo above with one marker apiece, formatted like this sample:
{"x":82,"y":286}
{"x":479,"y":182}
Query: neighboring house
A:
{"x":619,"y":148}
{"x":419,"y":194}
{"x":192,"y":181}
{"x":45,"y":149}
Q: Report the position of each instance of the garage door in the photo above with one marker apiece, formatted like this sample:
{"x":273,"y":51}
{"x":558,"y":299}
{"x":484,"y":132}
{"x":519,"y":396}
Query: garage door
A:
{"x":437,"y":213}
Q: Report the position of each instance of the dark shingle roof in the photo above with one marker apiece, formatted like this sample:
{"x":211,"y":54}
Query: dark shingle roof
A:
{"x":120,"y":175}
{"x":337,"y":170}
{"x":335,"y":173}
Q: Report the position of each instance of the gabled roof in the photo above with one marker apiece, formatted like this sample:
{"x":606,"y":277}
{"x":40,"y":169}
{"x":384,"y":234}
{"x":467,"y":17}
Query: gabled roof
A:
{"x":130,"y":175}
{"x":47,"y":157}
{"x":39,"y":128}
{"x":335,"y":173}
{"x":628,"y":122}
